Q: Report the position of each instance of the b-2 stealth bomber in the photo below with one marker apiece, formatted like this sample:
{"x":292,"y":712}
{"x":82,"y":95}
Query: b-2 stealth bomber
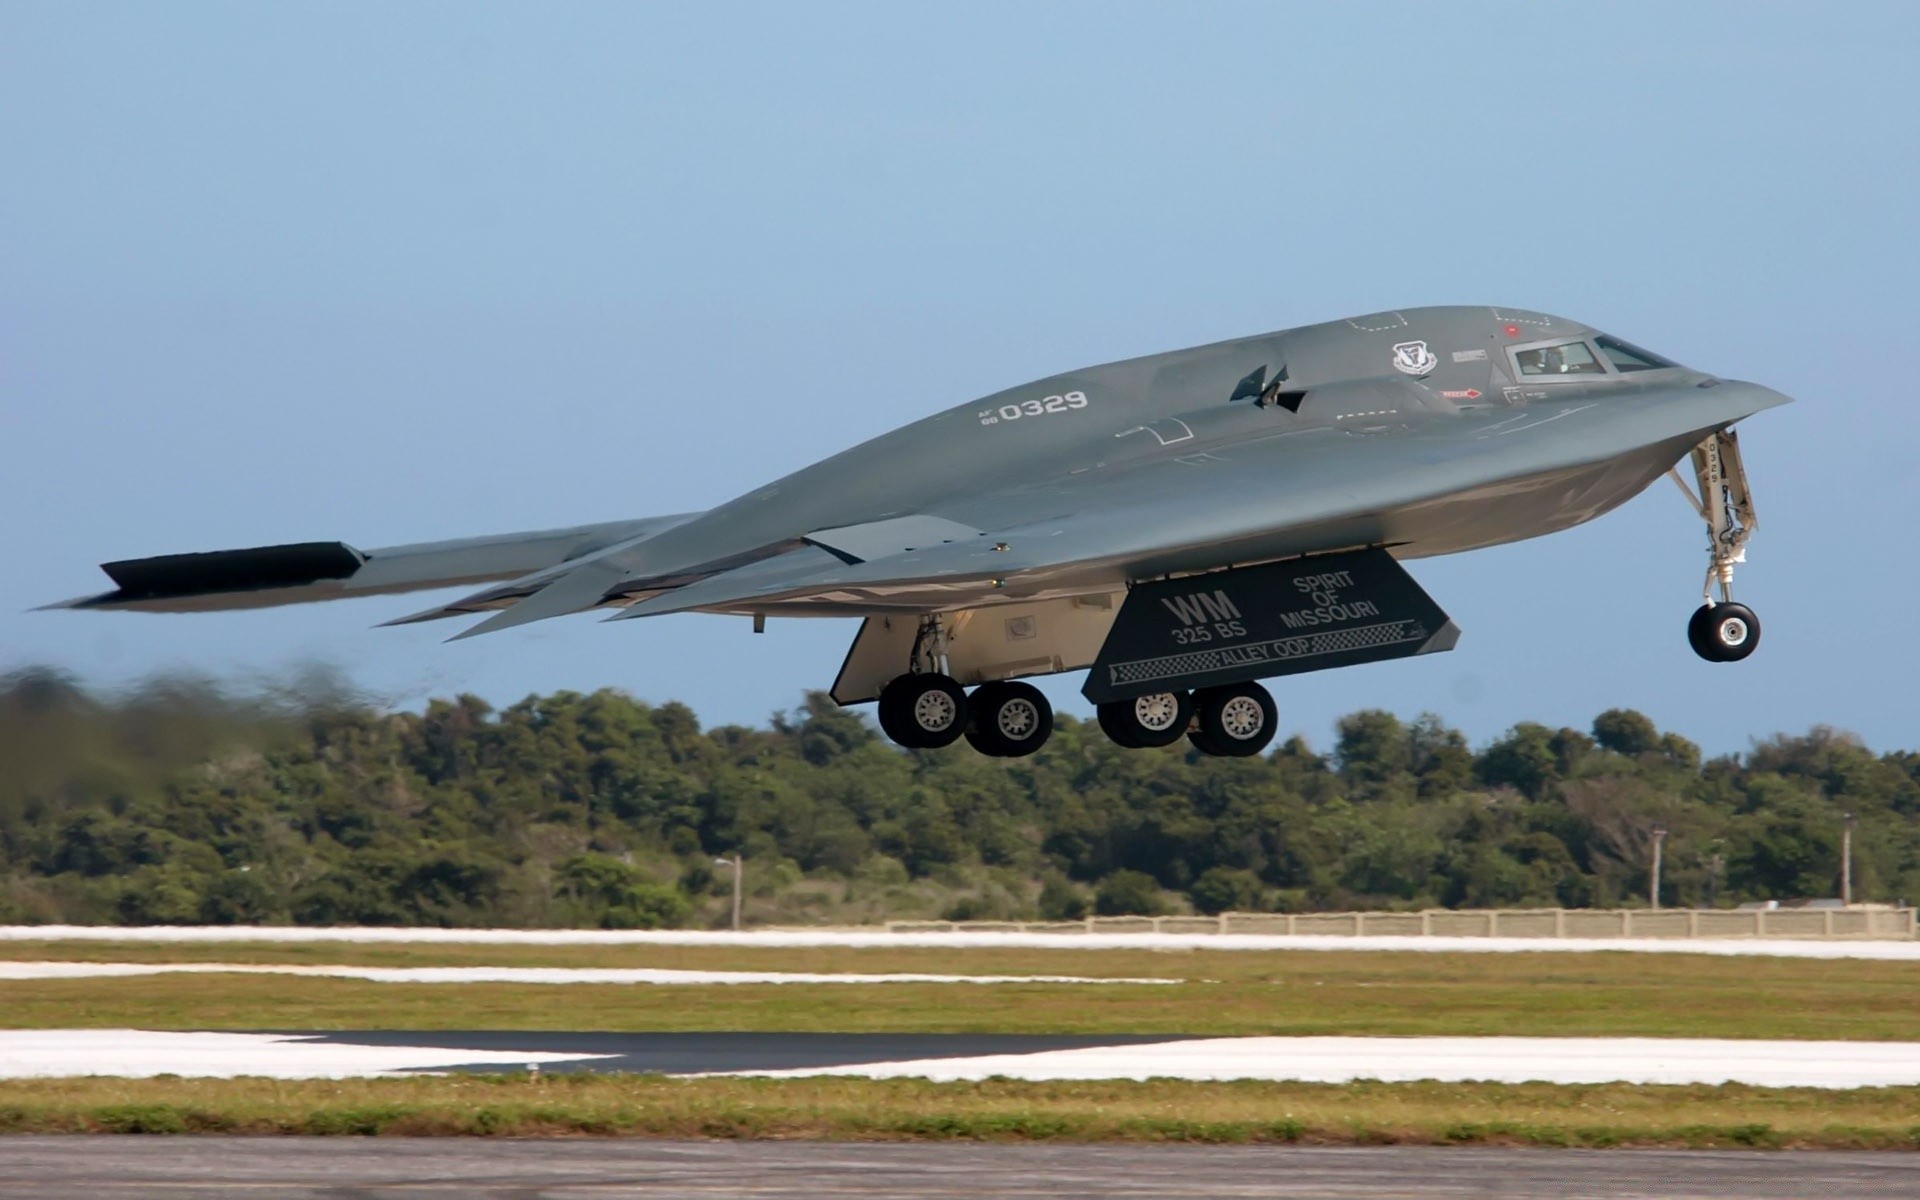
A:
{"x":1183,"y":524}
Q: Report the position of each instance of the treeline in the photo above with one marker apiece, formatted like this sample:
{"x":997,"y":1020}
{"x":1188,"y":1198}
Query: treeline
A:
{"x":181,"y":802}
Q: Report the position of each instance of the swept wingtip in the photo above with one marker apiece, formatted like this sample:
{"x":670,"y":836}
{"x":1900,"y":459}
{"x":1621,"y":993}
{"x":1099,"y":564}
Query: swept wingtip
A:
{"x":75,"y":602}
{"x":489,"y":625}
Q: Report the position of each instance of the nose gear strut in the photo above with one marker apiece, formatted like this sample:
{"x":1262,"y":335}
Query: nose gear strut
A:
{"x":1722,"y":631}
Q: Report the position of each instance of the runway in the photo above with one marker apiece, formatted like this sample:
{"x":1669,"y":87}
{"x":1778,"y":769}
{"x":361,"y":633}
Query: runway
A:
{"x":964,"y":1057}
{"x":123,"y":1168}
{"x":657,"y":976}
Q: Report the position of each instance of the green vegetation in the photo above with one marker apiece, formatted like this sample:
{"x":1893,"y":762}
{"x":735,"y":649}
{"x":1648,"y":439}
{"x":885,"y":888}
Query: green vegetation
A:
{"x":1225,"y":992}
{"x":183,"y":803}
{"x":997,"y":1110}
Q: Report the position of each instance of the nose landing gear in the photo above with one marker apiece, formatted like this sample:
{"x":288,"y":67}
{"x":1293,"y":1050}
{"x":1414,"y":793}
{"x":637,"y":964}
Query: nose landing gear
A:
{"x":1723,"y":631}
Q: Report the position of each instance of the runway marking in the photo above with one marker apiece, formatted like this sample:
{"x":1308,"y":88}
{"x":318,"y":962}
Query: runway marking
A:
{"x":1451,"y":1060}
{"x":46,"y":1053}
{"x":137,"y":1053}
{"x":1886,"y":951}
{"x":550,"y":975}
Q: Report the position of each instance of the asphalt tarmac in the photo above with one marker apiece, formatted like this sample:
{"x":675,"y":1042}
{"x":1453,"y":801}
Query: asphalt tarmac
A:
{"x":703,"y":1053}
{"x":179,"y":1168}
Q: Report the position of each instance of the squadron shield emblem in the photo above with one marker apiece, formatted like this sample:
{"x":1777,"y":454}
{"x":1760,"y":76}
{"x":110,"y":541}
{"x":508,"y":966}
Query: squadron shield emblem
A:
{"x":1413,"y":358}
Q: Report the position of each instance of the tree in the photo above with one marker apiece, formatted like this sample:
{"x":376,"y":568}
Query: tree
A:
{"x":1439,"y":756}
{"x":181,"y":802}
{"x":1523,"y":760}
{"x":239,"y":897}
{"x":1624,"y":731}
{"x":1372,"y":747}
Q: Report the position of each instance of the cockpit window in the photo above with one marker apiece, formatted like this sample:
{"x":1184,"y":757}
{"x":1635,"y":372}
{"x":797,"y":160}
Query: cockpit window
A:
{"x":1570,"y":358}
{"x":1627,"y":357}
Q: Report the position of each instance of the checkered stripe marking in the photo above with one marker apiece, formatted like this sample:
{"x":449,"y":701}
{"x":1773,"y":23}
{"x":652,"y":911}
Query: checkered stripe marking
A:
{"x":1311,"y":645}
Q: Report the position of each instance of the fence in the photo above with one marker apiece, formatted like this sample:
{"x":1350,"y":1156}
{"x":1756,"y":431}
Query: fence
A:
{"x":1858,"y":922}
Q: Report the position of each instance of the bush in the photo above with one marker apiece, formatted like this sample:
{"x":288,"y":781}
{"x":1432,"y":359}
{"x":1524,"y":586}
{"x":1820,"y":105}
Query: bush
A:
{"x":1129,"y":894}
{"x":1061,"y":901}
{"x":1227,"y":889}
{"x":647,"y":906}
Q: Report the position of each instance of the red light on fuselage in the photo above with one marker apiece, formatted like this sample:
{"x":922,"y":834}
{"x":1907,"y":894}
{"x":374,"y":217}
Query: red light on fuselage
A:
{"x":1513,"y":331}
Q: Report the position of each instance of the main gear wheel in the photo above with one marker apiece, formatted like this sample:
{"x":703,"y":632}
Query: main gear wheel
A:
{"x":923,"y":712}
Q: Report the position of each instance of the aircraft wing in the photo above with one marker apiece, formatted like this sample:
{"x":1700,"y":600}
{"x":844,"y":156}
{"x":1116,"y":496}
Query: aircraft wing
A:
{"x":264,"y":576}
{"x":1179,"y":507}
{"x":1253,"y":500}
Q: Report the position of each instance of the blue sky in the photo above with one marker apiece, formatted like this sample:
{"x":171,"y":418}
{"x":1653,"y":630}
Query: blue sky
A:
{"x":388,"y":273}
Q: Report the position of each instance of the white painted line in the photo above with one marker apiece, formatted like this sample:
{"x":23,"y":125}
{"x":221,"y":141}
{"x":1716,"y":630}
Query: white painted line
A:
{"x":135,"y":1053}
{"x":558,"y":975}
{"x":43,"y":1053}
{"x":1491,"y":1059}
{"x":1890,"y":951}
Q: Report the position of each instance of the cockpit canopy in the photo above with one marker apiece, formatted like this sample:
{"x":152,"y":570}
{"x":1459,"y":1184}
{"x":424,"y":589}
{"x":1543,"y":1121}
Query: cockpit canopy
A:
{"x":1596,"y":356}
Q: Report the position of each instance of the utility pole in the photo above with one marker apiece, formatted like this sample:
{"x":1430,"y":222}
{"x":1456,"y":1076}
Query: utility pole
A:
{"x":1846,"y":860}
{"x":735,"y":863}
{"x":1659,"y":836}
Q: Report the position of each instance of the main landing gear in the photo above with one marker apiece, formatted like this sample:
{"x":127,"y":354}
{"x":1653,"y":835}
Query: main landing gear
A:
{"x":1001,"y":720}
{"x":927,"y":708}
{"x":1010,"y":719}
{"x":1723,"y":631}
{"x":1234,"y":721}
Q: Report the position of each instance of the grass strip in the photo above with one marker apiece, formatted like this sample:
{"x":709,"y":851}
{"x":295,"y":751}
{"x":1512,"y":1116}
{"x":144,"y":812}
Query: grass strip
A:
{"x":995,"y":1110}
{"x":1280,"y":992}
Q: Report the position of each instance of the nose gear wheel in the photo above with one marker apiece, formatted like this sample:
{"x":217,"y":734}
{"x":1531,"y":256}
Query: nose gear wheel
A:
{"x":1723,"y":632}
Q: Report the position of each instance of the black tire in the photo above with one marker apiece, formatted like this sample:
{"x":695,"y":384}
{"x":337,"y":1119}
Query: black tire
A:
{"x":1723,"y":632}
{"x":888,"y":710}
{"x":1697,"y":637}
{"x":1235,"y":721}
{"x":1008,"y":720}
{"x":1114,"y":727}
{"x":1199,"y":741}
{"x":923,"y":712}
{"x":1144,"y":721}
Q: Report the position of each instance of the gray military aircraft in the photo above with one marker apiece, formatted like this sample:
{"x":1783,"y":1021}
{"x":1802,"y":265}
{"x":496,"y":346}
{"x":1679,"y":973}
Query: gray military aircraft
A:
{"x":1184,"y":524}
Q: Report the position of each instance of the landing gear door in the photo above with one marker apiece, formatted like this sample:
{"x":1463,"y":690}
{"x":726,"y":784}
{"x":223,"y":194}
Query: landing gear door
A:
{"x":1307,"y":614}
{"x":1002,"y":641}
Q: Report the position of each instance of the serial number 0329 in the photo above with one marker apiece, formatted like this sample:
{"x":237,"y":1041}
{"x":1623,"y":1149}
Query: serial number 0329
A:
{"x":1065,"y":402}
